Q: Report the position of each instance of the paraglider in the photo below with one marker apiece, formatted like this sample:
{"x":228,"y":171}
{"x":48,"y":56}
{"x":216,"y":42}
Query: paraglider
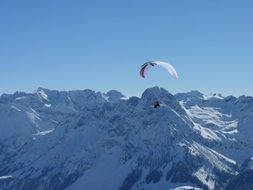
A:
{"x":150,"y":64}
{"x":157,"y":104}
{"x":163,"y":64}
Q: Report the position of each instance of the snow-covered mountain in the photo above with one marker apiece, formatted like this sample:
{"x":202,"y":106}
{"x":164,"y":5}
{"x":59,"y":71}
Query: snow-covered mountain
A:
{"x":105,"y":141}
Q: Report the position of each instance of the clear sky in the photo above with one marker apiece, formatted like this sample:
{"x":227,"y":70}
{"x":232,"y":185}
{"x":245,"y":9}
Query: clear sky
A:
{"x":100,"y":45}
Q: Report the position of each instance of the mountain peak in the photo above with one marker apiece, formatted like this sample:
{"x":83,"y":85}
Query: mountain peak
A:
{"x":156,"y":93}
{"x":114,"y":95}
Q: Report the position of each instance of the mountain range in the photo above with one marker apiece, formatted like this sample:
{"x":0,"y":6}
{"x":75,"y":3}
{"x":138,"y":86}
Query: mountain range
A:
{"x":87,"y":140}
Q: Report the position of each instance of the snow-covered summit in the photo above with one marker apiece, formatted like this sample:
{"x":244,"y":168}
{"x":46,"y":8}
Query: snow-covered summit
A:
{"x":114,"y":95}
{"x":156,"y":93}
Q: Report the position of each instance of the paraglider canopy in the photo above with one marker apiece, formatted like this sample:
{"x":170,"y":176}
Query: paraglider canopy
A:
{"x":163,"y":64}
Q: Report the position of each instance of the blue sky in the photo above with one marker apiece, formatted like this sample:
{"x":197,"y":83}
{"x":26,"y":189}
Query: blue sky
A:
{"x":100,"y":45}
